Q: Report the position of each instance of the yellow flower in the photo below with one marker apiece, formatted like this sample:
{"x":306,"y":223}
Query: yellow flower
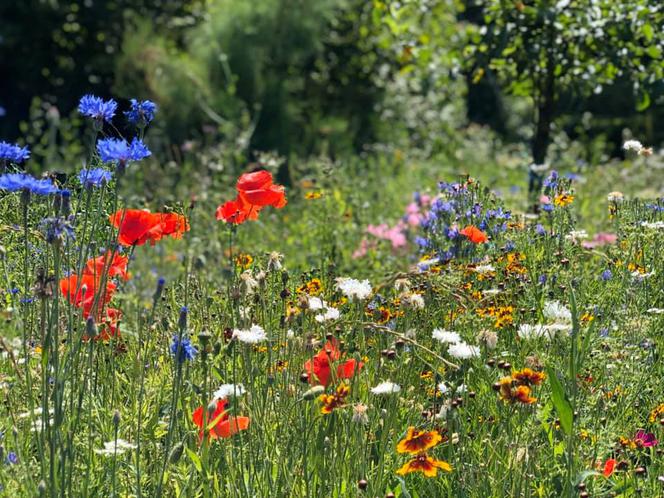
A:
{"x":244,"y":260}
{"x":562,"y":200}
{"x":424,"y":463}
{"x":310,"y":196}
{"x":417,"y":441}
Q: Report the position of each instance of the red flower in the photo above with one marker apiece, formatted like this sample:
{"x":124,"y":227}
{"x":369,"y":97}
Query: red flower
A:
{"x":609,"y":466}
{"x":117,"y":267}
{"x":83,"y":293}
{"x":255,"y":191}
{"x":474,"y":234}
{"x":224,"y":426}
{"x":108,"y":325}
{"x":320,"y":367}
{"x":138,"y":226}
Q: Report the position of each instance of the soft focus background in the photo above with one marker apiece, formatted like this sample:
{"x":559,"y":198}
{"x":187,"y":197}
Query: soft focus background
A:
{"x":384,"y":97}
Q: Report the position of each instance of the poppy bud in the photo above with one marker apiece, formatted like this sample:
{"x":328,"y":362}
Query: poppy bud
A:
{"x":116,"y":418}
{"x":490,"y":363}
{"x":390,"y":495}
{"x":284,"y":277}
{"x":362,"y":484}
{"x":506,"y":366}
{"x":90,"y":327}
{"x":584,"y":494}
{"x":304,"y":377}
{"x":182,"y":321}
{"x":285,"y":294}
{"x":640,"y":471}
{"x":176,"y":453}
{"x":581,"y":486}
{"x":472,"y":394}
{"x":211,"y":408}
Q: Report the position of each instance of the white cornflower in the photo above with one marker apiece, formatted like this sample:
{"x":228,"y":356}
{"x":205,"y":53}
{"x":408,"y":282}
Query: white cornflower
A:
{"x":330,"y":314}
{"x":253,"y":335}
{"x":492,"y":292}
{"x":354,"y":289}
{"x":115,"y":448}
{"x":653,"y":225}
{"x":527,"y":331}
{"x":386,"y":387}
{"x":446,"y":336}
{"x":655,"y":311}
{"x":442,"y":388}
{"x":556,"y":312}
{"x":228,"y":390}
{"x":316,"y":303}
{"x":633,"y":145}
{"x":484,"y":269}
{"x":463,"y":351}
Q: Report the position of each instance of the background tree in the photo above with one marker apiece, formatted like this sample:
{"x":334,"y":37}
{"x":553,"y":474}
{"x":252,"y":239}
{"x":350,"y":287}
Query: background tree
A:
{"x":543,"y":48}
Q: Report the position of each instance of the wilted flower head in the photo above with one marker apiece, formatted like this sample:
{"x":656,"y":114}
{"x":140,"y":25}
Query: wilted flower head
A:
{"x":360,"y":414}
{"x":488,"y":337}
{"x":274,"y":261}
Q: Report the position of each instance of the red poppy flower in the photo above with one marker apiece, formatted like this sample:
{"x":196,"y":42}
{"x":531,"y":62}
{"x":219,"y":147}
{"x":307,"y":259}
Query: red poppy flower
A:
{"x":224,"y":425}
{"x":117,"y":267}
{"x":255,"y":191}
{"x":320,"y":367}
{"x":474,"y":234}
{"x":138,"y":226}
{"x":609,"y":466}
{"x":83,"y":293}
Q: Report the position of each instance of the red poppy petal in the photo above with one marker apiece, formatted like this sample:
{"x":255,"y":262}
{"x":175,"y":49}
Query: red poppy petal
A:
{"x":231,"y":426}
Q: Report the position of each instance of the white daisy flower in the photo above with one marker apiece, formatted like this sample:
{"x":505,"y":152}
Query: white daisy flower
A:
{"x":228,"y":390}
{"x":253,"y":335}
{"x":463,"y":351}
{"x":115,"y":448}
{"x":445,"y":336}
{"x":386,"y":387}
{"x":354,"y":289}
{"x":556,"y":312}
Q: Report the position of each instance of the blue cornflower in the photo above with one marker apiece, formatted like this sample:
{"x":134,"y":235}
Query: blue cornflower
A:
{"x":24,"y":182}
{"x":141,"y":113}
{"x":114,"y":150}
{"x":552,"y":180}
{"x":183,"y":350}
{"x":12,"y":458}
{"x":542,"y":279}
{"x":3,"y":111}
{"x":540,"y":230}
{"x":95,"y":177}
{"x":97,"y":108}
{"x":422,"y":242}
{"x":451,"y":233}
{"x":509,"y":246}
{"x":547,"y":207}
{"x":607,"y":275}
{"x":13,"y":153}
{"x":57,"y":230}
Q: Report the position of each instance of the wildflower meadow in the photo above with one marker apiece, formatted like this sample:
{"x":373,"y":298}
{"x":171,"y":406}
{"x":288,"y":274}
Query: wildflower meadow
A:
{"x":293,"y":269}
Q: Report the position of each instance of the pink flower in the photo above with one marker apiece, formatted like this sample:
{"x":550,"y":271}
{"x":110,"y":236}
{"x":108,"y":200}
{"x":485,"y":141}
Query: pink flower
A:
{"x":600,"y":239}
{"x":645,"y":439}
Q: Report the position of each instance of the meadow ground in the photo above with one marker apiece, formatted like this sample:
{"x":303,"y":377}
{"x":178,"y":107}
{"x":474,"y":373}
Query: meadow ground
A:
{"x":382,"y":326}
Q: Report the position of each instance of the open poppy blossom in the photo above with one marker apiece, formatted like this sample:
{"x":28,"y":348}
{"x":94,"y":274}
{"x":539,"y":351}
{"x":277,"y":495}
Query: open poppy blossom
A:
{"x":429,"y":466}
{"x":84,"y":292}
{"x":255,"y":191}
{"x":320,"y":367}
{"x":417,"y":441}
{"x":116,"y":267}
{"x":474,"y":234}
{"x":219,"y":424}
{"x":138,"y":226}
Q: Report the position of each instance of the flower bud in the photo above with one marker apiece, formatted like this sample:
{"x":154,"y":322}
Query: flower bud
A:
{"x":176,"y":453}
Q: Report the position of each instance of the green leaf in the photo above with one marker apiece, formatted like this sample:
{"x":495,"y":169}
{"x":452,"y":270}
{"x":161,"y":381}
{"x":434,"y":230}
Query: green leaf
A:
{"x":560,"y":401}
{"x":644,"y":101}
{"x":195,"y":459}
{"x":648,"y":31}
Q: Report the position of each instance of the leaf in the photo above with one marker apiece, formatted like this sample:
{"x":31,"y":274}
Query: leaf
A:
{"x":644,"y":101}
{"x":404,"y":490}
{"x":195,"y":459}
{"x":560,"y":401}
{"x":648,"y":31}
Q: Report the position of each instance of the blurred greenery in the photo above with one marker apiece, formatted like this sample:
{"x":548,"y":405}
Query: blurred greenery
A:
{"x":334,"y":78}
